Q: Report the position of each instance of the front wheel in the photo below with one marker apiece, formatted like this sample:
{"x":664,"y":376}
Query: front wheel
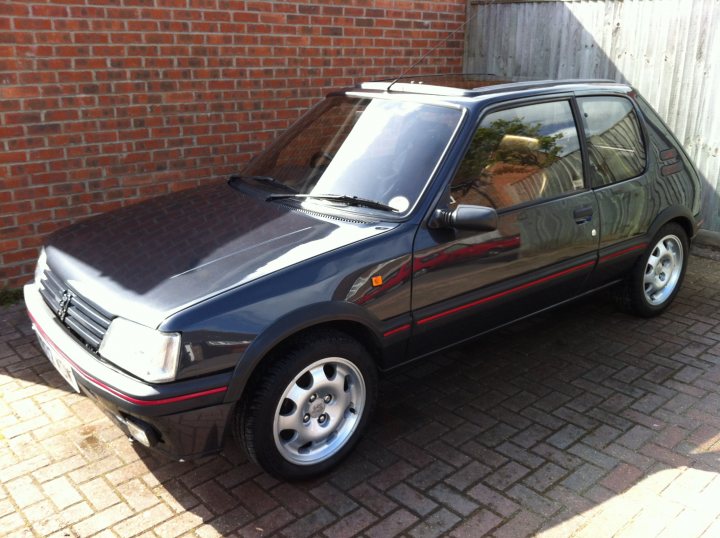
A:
{"x":656,"y":278}
{"x":310,"y":407}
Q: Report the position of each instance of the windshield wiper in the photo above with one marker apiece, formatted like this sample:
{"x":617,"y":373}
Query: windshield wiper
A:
{"x":339,"y":198}
{"x":263,"y":179}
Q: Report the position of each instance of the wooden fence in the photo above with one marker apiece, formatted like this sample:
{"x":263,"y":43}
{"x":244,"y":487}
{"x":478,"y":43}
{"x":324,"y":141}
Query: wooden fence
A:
{"x":668,"y":49}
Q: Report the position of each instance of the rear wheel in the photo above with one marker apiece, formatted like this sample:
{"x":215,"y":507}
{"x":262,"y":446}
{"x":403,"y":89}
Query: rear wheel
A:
{"x":310,"y":407}
{"x":656,"y":278}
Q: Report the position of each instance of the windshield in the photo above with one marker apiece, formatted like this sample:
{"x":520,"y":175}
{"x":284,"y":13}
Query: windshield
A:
{"x":379,"y":150}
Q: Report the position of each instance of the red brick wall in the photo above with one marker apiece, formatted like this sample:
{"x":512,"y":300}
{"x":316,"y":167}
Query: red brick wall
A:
{"x":107,"y":102}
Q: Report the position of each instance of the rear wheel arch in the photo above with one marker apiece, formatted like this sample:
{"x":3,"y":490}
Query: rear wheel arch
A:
{"x":677,"y":214}
{"x":686,"y":224}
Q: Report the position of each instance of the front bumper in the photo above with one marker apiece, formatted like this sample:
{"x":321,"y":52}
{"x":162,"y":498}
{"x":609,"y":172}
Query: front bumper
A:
{"x":186,"y":418}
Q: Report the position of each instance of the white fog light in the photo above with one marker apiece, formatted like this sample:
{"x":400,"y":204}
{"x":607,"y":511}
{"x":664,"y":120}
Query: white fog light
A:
{"x":144,"y":435}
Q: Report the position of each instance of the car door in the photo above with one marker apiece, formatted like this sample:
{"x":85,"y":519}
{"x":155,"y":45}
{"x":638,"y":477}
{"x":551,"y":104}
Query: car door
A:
{"x":617,"y":173}
{"x":525,"y":161}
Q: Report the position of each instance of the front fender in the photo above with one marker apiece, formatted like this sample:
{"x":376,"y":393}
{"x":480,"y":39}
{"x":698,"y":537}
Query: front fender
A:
{"x":292,"y":323}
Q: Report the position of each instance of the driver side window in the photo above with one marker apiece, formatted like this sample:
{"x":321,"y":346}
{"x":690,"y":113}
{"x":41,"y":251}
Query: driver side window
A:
{"x":520,"y":154}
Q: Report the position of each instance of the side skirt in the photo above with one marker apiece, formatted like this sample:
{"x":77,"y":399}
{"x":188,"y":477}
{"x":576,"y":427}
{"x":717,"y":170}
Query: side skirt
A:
{"x":471,"y":338}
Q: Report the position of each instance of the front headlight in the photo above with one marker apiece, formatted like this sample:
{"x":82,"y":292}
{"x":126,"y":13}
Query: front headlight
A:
{"x":41,"y":266}
{"x":149,"y":354}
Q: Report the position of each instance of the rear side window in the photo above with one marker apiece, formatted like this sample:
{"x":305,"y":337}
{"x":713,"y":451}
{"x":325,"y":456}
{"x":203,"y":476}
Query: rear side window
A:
{"x":615,"y":146}
{"x":519,"y":155}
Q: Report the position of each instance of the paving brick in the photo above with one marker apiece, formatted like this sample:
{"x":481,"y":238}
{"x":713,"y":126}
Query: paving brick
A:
{"x":61,"y":492}
{"x":622,"y":477}
{"x":229,"y":521}
{"x":593,"y":456}
{"x":309,"y":524}
{"x":182,"y":523}
{"x":267,"y":524}
{"x":102,"y":520}
{"x":6,"y":507}
{"x":479,"y":524}
{"x":688,"y":523}
{"x":143,"y":521}
{"x":254,"y":498}
{"x":436,"y":524}
{"x":75,"y":513}
{"x":493,"y":500}
{"x":601,"y":436}
{"x":520,"y":455}
{"x":531,"y":435}
{"x":137,"y":495}
{"x":453,"y":500}
{"x":10,"y":523}
{"x":522,"y":524}
{"x":176,"y":496}
{"x":566,"y":436}
{"x":430,"y":475}
{"x":333,"y":499}
{"x":214,"y":496}
{"x":583,"y":477}
{"x":392,"y":475}
{"x":412,"y":454}
{"x":483,"y":454}
{"x":412,"y":499}
{"x":351,"y":524}
{"x":376,"y":501}
{"x":99,"y":493}
{"x":664,"y":455}
{"x":24,"y":491}
{"x":532,"y":500}
{"x":353,"y":472}
{"x":294,"y":499}
{"x":468,"y":475}
{"x":392,"y":525}
{"x":651,"y":520}
{"x":609,"y":519}
{"x":448,"y":454}
{"x":636,"y":437}
{"x":507,"y":475}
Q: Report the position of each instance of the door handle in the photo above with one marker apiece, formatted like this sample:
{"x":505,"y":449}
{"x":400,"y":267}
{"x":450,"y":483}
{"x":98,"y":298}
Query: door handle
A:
{"x":583,"y":214}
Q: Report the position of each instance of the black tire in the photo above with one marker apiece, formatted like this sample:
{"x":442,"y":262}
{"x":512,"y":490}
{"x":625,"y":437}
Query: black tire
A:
{"x":335,"y":369}
{"x":644,"y":299}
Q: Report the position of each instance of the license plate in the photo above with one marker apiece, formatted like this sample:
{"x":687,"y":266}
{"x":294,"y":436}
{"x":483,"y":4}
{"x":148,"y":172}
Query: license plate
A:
{"x":59,"y":362}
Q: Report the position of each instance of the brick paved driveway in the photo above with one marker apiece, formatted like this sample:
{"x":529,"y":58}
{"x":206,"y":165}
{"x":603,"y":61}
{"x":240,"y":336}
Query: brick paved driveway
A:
{"x":584,"y":422}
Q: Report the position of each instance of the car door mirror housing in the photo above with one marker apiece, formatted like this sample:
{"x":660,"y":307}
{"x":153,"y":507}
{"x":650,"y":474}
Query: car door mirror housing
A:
{"x":466,"y":217}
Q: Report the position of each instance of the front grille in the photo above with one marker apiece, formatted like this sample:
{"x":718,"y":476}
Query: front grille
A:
{"x":87,"y":322}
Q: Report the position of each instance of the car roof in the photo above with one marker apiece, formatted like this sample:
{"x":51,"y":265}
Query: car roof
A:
{"x":476,"y":85}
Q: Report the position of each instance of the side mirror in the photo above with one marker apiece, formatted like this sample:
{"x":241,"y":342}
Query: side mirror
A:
{"x":466,"y":217}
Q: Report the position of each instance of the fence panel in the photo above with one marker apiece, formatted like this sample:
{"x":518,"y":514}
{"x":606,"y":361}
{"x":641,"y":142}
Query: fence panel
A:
{"x":667,"y":49}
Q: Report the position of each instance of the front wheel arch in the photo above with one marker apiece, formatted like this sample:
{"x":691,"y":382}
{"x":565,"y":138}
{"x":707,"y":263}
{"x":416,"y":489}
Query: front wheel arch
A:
{"x":346,"y":318}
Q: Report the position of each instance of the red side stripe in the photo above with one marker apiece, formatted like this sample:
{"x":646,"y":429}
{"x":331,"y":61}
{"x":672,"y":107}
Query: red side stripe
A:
{"x":397,"y":330}
{"x":504,"y":293}
{"x":114,"y":391}
{"x":622,"y":252}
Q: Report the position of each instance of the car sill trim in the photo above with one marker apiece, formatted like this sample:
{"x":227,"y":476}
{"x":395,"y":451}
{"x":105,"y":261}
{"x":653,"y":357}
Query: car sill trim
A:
{"x":509,"y":291}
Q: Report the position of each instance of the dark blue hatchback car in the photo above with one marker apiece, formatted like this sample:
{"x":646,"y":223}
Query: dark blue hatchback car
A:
{"x":391,"y":221}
